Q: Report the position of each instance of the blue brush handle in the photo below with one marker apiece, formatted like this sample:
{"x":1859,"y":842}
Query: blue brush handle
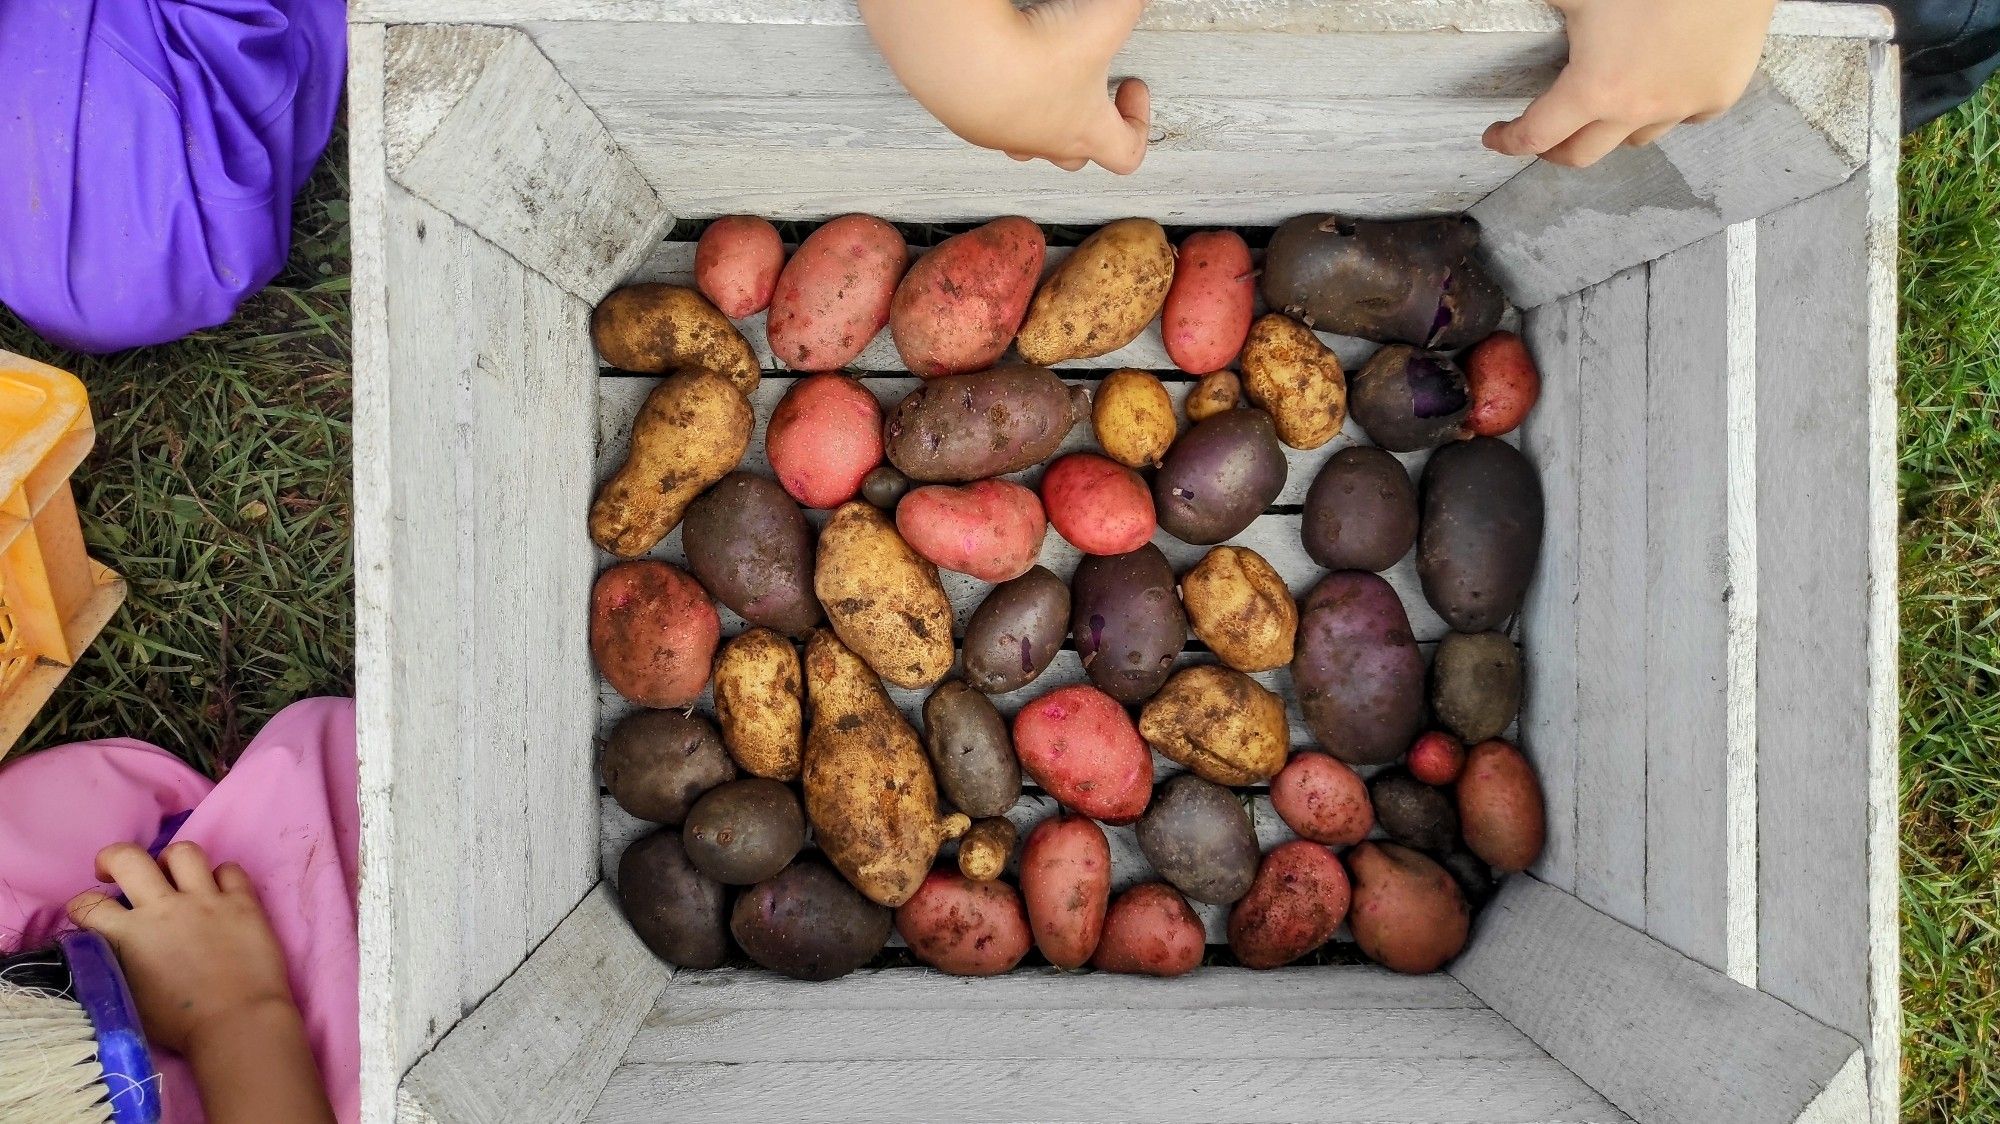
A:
{"x":131,"y":1083}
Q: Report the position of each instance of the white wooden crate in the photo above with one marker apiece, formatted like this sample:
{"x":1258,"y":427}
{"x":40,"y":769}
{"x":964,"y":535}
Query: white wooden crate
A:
{"x":1710,"y":640}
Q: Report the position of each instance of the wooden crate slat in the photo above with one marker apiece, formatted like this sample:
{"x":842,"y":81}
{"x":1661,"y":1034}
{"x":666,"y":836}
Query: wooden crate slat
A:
{"x":1445,"y":1090}
{"x":541,"y":1046}
{"x":1610,"y":601}
{"x":1700,"y":603}
{"x":1661,"y":1036}
{"x":1820,"y":719}
{"x":1322,"y":988}
{"x":1549,"y":615}
{"x":485,"y":119}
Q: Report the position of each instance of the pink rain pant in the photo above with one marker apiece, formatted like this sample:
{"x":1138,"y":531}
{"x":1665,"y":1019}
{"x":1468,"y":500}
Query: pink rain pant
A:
{"x":287,"y":813}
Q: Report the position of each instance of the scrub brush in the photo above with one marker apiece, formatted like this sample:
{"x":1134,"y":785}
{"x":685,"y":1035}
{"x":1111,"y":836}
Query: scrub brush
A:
{"x":71,"y":1049}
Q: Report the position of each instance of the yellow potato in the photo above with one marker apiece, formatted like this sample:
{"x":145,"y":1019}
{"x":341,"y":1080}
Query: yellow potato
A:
{"x":1296,"y":379}
{"x":869,"y":791}
{"x":659,"y":329}
{"x":882,"y":598}
{"x":1102,"y":296}
{"x":1222,"y":724}
{"x":760,"y":704}
{"x":983,"y":853}
{"x":1134,"y":418}
{"x":690,"y":433}
{"x":1239,"y":606}
{"x":1216,"y":392}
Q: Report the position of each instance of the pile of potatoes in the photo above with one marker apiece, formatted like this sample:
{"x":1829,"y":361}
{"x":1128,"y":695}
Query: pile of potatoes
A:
{"x":810,"y":818}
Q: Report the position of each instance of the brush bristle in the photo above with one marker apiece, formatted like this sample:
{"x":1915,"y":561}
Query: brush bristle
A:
{"x":49,"y":1073}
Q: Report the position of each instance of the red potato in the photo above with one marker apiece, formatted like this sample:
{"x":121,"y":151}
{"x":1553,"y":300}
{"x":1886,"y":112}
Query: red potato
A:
{"x":1080,"y":745}
{"x":1066,"y":879}
{"x":834,"y":295}
{"x":1408,"y":913}
{"x":1504,"y":383}
{"x":1297,"y":901}
{"x":1099,"y":505}
{"x":825,"y":436}
{"x":990,"y":529}
{"x":962,"y":927}
{"x":1437,"y":758}
{"x":1151,"y":931}
{"x":1211,"y":303}
{"x":960,"y":305}
{"x":736,"y":264}
{"x":1500,"y":807}
{"x":1323,"y":800}
{"x":653,"y":633}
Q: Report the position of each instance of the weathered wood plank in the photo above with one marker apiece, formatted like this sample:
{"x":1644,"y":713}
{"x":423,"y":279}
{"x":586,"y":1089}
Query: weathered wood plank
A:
{"x":1549,"y":616}
{"x":673,"y":263}
{"x":1662,"y":1037}
{"x":1700,"y":778}
{"x":541,"y":1047}
{"x":486,"y":125}
{"x":1826,"y":657}
{"x":1288,"y":16}
{"x":1135,"y":1090}
{"x":676,"y":1034}
{"x":1552,"y":230}
{"x":1326,"y":988}
{"x":1611,"y":600}
{"x":1128,"y":863}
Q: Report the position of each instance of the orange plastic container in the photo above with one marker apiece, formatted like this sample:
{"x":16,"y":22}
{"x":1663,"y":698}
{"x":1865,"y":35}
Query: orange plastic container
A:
{"x":54,"y":599}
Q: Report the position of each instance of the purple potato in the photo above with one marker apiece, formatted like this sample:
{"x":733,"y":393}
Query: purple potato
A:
{"x":1197,"y":836}
{"x":1407,"y":400}
{"x":1219,"y":477}
{"x":1358,"y":672}
{"x":1413,"y":813}
{"x":657,"y":762}
{"x":960,"y":428}
{"x":676,"y":909}
{"x":808,"y":923}
{"x":1361,"y":511}
{"x":1016,"y":632}
{"x":749,"y":545}
{"x":745,"y":831}
{"x":971,"y":750}
{"x":1418,"y":281}
{"x":1481,"y":533}
{"x":1128,"y":621}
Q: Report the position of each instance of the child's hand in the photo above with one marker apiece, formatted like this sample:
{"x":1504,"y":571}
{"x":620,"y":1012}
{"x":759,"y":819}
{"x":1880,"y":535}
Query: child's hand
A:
{"x":209,"y":981}
{"x":1032,"y":84}
{"x":1636,"y":69}
{"x":196,"y":950}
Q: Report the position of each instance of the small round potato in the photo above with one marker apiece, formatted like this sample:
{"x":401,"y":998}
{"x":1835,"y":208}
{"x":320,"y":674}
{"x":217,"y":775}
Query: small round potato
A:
{"x":1151,"y":931}
{"x":1223,"y":725}
{"x":743,"y":832}
{"x":1134,"y":418}
{"x":658,"y":762}
{"x":1217,"y":392}
{"x":1198,"y":836}
{"x":1437,"y":758}
{"x":1299,"y":898}
{"x":760,"y":704}
{"x":1412,"y":812}
{"x":884,"y":486}
{"x":678,"y":912}
{"x":984,"y":850}
{"x":965,"y":928}
{"x":1239,"y":606}
{"x":1287,"y":371}
{"x":1476,"y":684}
{"x":1324,"y":800}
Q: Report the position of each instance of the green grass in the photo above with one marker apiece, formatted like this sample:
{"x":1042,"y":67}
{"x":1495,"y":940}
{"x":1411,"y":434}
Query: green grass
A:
{"x":219,"y":487}
{"x":1950,"y":453}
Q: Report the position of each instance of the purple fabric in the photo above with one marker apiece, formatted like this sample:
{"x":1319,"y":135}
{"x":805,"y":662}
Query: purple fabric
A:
{"x":151,"y":152}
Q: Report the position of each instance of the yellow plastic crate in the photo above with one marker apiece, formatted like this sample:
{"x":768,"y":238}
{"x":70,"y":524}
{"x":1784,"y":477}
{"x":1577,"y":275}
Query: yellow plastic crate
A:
{"x":54,"y":599}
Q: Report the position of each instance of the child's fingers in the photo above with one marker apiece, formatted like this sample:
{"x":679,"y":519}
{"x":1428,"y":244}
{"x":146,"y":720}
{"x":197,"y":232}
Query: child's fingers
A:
{"x":1547,"y":122}
{"x":135,"y":872}
{"x":231,"y":879}
{"x":1649,"y":134}
{"x":98,"y":912}
{"x":1588,"y":145}
{"x":1122,"y":147}
{"x":188,"y":864}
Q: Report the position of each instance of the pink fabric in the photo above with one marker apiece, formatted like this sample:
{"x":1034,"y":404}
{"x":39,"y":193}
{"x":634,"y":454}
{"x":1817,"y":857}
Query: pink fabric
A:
{"x":287,"y":813}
